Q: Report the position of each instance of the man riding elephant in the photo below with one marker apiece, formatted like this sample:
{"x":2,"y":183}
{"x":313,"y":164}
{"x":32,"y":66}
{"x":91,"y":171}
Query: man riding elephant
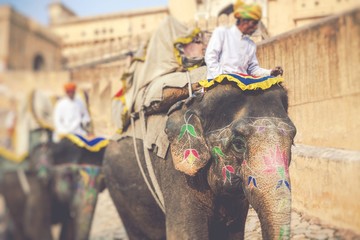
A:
{"x":230,"y":50}
{"x":71,"y":114}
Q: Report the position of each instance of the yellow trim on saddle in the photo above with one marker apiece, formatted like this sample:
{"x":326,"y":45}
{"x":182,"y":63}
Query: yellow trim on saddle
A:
{"x":185,"y":40}
{"x":77,"y":141}
{"x":253,"y":86}
{"x":11,"y":156}
{"x":140,"y":59}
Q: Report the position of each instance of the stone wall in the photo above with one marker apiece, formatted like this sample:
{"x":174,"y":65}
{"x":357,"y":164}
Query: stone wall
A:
{"x":20,"y":83}
{"x":326,"y":184}
{"x":23,"y":41}
{"x":322,"y":75}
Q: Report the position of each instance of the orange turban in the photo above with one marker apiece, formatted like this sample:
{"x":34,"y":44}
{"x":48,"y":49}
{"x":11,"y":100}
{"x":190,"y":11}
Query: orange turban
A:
{"x":70,"y":87}
{"x":247,"y":11}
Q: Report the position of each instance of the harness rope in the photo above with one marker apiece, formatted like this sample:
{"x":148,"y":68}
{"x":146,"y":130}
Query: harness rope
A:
{"x":155,"y":191}
{"x":158,"y":197}
{"x":24,"y":183}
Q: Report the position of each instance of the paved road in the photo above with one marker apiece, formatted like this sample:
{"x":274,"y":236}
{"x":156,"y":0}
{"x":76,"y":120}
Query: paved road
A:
{"x":107,"y":225}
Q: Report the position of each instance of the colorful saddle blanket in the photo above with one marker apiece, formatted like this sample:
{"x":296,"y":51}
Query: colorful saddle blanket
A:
{"x":243,"y":81}
{"x":94,"y":144}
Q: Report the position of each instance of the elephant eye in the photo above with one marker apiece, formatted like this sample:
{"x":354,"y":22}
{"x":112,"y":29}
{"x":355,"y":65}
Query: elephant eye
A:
{"x":239,"y":144}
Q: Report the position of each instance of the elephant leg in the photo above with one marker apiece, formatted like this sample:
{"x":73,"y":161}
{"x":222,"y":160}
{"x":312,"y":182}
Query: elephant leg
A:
{"x":189,"y":211}
{"x":188,"y":222}
{"x":129,"y":221}
{"x":141,"y":216}
{"x":67,"y":228}
{"x":193,"y":211}
{"x":37,"y":218}
{"x":15,"y":202}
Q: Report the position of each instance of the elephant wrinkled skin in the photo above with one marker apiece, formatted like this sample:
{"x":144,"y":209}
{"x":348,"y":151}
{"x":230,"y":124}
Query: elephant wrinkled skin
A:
{"x":228,"y":148}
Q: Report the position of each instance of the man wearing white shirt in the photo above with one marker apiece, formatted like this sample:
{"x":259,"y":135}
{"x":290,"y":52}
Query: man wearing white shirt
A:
{"x":230,"y":50}
{"x":70,"y":114}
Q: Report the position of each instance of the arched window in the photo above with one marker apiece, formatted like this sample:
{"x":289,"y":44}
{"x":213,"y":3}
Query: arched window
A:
{"x":39,"y":63}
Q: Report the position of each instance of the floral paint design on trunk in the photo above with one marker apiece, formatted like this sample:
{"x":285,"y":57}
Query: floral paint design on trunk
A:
{"x":252,"y":180}
{"x":284,"y":232}
{"x":86,"y":198}
{"x":277,"y":162}
{"x":88,"y":184}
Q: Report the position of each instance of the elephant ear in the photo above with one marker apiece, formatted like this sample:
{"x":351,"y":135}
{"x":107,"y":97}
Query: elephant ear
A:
{"x":188,"y":147}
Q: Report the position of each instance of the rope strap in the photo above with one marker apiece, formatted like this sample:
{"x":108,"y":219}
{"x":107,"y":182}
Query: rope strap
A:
{"x":156,"y":192}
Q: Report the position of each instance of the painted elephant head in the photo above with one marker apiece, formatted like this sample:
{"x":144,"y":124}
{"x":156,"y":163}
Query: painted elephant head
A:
{"x":74,"y":178}
{"x":77,"y":187}
{"x":242,"y":139}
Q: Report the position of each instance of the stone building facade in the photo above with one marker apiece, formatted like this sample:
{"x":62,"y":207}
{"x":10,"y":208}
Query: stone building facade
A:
{"x":26,"y":45}
{"x":90,"y":38}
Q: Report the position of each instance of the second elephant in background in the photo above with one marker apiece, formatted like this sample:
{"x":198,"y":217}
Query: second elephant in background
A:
{"x":64,"y":182}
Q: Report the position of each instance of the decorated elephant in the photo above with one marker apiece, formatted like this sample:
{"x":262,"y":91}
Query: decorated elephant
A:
{"x":27,"y":124}
{"x":228,"y":147}
{"x":64,"y":181}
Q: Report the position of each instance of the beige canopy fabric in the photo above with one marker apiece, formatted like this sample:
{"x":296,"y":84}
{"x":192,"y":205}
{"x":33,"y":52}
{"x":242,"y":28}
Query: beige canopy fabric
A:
{"x":161,"y":68}
{"x":160,"y":56}
{"x":155,"y":134}
{"x":168,"y":50}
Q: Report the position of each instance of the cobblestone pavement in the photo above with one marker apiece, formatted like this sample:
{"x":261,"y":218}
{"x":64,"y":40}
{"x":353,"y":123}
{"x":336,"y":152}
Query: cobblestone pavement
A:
{"x":108,"y":226}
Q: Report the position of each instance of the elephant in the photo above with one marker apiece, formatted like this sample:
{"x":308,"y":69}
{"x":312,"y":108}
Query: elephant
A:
{"x":228,"y":148}
{"x":32,"y":126}
{"x":64,"y":182}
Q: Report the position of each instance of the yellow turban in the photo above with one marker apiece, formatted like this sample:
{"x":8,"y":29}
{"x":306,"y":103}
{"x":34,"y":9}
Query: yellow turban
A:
{"x":247,"y":11}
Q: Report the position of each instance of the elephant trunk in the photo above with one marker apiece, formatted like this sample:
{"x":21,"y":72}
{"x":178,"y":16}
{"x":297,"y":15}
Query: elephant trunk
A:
{"x":274,"y":216}
{"x":266,"y":183}
{"x":85,"y":200}
{"x":84,"y":215}
{"x":273,"y":206}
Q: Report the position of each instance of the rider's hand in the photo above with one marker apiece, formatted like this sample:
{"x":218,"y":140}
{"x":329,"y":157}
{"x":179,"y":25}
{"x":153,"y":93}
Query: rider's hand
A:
{"x":277,"y":71}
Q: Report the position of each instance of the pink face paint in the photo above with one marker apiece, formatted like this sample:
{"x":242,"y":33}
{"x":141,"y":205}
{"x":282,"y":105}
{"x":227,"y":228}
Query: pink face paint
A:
{"x":277,"y":161}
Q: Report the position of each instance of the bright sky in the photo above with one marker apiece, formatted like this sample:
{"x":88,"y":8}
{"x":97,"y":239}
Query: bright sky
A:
{"x":37,"y":9}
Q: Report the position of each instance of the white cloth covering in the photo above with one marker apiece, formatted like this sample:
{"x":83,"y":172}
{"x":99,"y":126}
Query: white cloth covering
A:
{"x":69,"y":115}
{"x":230,"y":51}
